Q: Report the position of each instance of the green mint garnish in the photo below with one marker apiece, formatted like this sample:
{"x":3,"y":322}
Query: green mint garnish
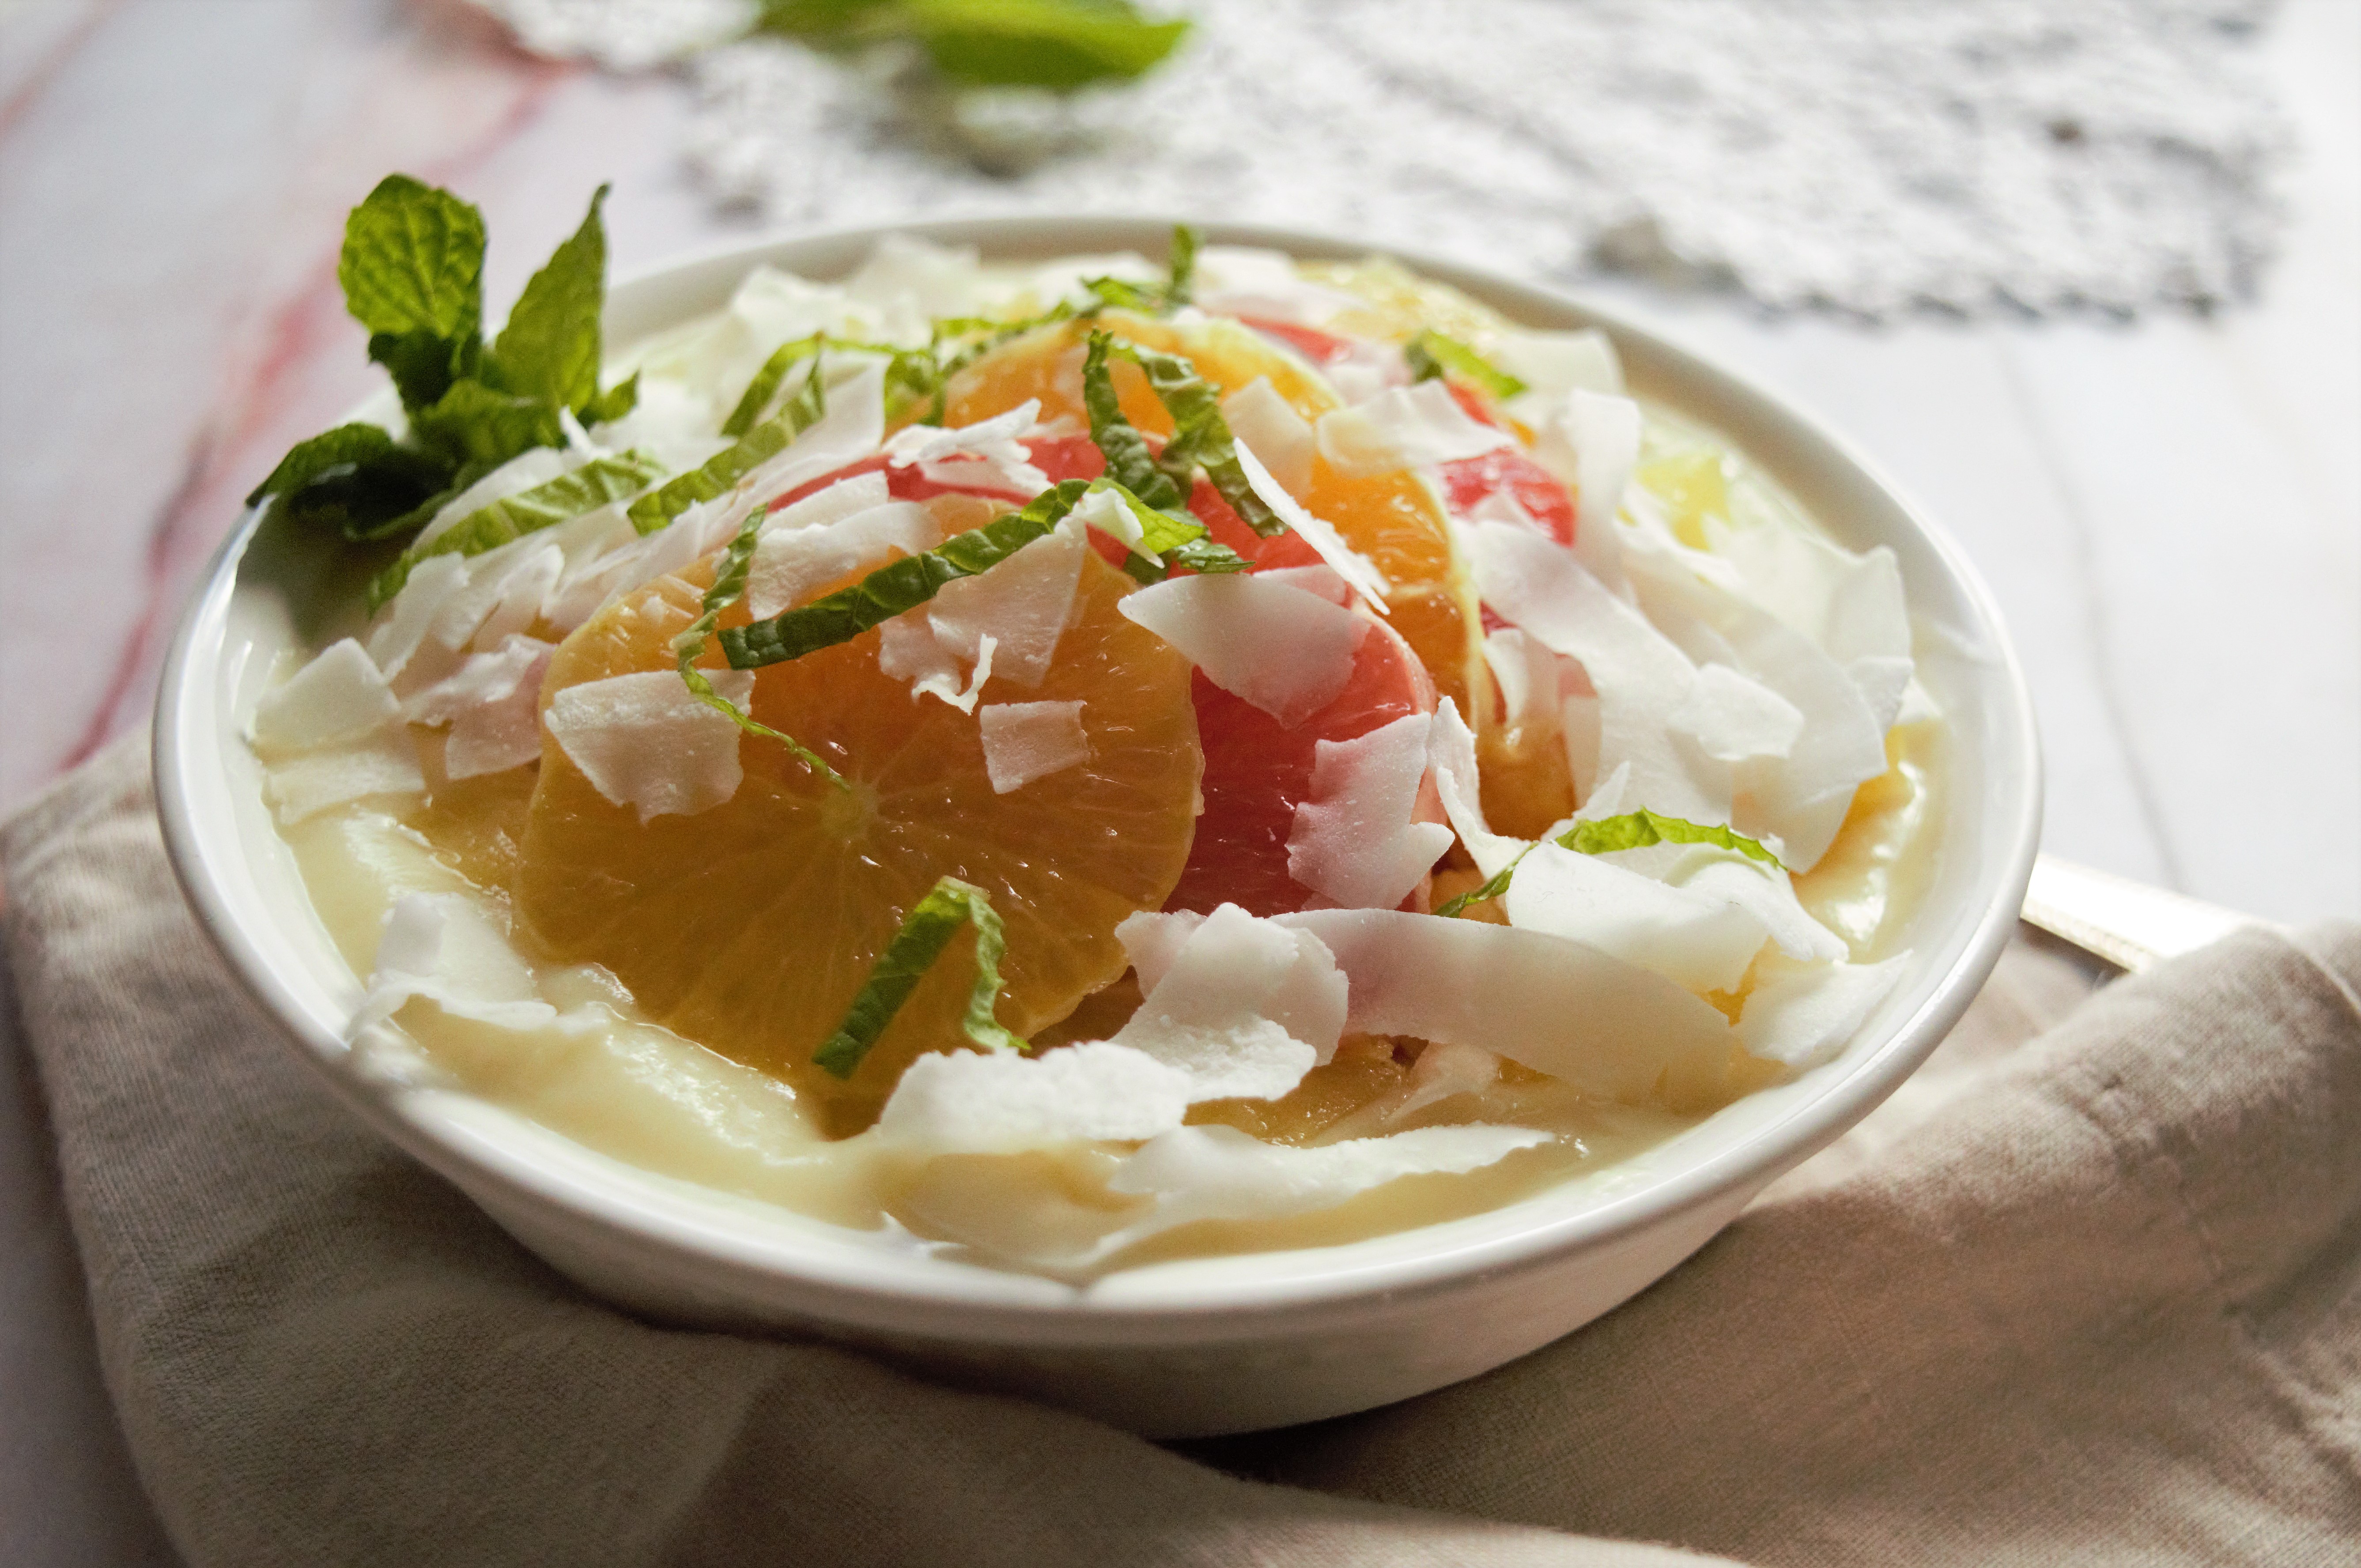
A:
{"x":412,"y":272}
{"x":924,"y":932}
{"x":550,"y":348}
{"x":1155,"y":496}
{"x":1201,"y":436}
{"x":1057,"y":44}
{"x":1153,"y":299}
{"x":1632,"y":830}
{"x":725,"y":468}
{"x":729,"y":582}
{"x":599,"y":482}
{"x":898,"y":586}
{"x":1431,"y":354}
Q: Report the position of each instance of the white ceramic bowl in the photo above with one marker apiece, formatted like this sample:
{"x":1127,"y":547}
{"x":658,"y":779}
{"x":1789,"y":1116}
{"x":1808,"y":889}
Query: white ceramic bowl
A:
{"x":1195,"y":1347}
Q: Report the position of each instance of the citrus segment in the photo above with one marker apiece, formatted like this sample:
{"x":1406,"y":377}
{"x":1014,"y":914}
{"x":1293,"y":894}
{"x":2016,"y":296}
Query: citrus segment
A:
{"x":1257,"y":770}
{"x":749,"y":927}
{"x":1394,"y":518}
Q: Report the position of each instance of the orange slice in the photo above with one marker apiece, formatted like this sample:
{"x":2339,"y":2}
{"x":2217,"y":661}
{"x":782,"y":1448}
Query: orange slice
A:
{"x":749,"y":927}
{"x":1396,"y":519}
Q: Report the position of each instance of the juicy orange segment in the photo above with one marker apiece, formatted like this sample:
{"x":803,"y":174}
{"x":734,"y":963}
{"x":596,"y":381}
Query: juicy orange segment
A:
{"x":1393,"y":519}
{"x":749,"y":927}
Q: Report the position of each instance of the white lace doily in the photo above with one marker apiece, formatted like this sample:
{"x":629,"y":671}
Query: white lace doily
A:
{"x":1871,"y":156}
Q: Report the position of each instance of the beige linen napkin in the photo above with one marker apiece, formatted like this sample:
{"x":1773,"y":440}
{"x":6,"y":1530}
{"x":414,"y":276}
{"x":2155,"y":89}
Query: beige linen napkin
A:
{"x":2096,"y":1298}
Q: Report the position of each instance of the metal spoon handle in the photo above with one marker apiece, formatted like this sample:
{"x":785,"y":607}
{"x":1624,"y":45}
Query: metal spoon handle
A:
{"x":2130,"y":925}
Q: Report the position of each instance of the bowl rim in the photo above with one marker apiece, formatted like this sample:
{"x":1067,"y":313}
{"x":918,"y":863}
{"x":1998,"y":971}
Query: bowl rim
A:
{"x":1230,"y":1310}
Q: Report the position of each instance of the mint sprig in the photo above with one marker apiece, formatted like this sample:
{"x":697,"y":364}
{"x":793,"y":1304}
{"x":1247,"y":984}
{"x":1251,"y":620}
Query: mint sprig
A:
{"x":1431,"y":354}
{"x":924,"y":933}
{"x":1631,"y":830}
{"x":411,"y":269}
{"x":1057,"y":44}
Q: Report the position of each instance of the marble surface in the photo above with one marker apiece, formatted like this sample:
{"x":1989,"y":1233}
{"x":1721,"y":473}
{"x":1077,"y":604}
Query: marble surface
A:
{"x":2169,"y":511}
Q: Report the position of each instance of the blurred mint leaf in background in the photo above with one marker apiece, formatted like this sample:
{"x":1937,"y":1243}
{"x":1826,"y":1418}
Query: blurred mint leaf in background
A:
{"x":1055,"y":44}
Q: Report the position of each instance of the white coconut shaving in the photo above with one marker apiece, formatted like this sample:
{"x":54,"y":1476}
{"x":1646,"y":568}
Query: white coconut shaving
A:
{"x":1287,"y":652}
{"x":985,"y":455}
{"x":1000,"y":1102}
{"x":1347,"y":562}
{"x":832,"y":503}
{"x":791,"y":565}
{"x":444,"y":948}
{"x":1732,"y":716}
{"x":382,"y":762}
{"x":1802,"y":1019}
{"x":1023,"y":605}
{"x":1259,"y":418}
{"x":1356,"y":841}
{"x":1245,"y":1006}
{"x":1027,"y":740}
{"x":492,"y":704}
{"x":1403,"y":427}
{"x":644,"y":741}
{"x":339,"y":697}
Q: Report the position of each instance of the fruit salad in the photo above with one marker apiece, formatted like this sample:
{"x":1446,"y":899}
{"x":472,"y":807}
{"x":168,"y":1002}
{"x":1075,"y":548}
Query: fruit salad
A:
{"x":1072,"y":764}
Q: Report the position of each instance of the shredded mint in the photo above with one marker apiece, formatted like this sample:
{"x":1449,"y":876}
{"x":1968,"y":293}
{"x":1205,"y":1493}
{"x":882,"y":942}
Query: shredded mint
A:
{"x":1130,"y":462}
{"x":924,"y":932}
{"x":1201,"y":436}
{"x":897,"y":587}
{"x":765,"y":384}
{"x":1431,"y":354}
{"x":550,"y":348}
{"x":1632,"y":830}
{"x":1153,"y":299}
{"x":599,"y":482}
{"x":724,"y":469}
{"x":1637,"y":830}
{"x":613,"y":403}
{"x":729,"y":584}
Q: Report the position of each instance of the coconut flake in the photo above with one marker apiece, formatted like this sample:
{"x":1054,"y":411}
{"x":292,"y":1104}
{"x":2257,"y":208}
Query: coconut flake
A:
{"x":1245,"y":1006}
{"x":1693,"y":939}
{"x":1732,"y":718}
{"x":909,"y":649}
{"x":444,"y":949}
{"x":1280,"y":649}
{"x":1346,"y":562}
{"x":790,"y":563}
{"x":384,"y":762}
{"x":1552,"y":364}
{"x":1604,"y":1025}
{"x":1111,"y":515}
{"x":523,"y":590}
{"x":340,"y":696}
{"x":1000,"y":1102}
{"x":1027,"y":740}
{"x":1443,"y":1069}
{"x":1803,"y":1019}
{"x":1592,"y":441}
{"x":919,"y":280}
{"x":1247,"y":280}
{"x":1022,"y":604}
{"x":832,"y":503}
{"x":645,"y":741}
{"x":492,"y":702}
{"x":848,"y":430}
{"x":1450,"y":757}
{"x":1323,"y":580}
{"x":1641,"y":677}
{"x":1403,"y":427}
{"x":1260,"y":418}
{"x":414,"y":610}
{"x":985,"y":455}
{"x":1532,"y":679}
{"x":1355,"y":840}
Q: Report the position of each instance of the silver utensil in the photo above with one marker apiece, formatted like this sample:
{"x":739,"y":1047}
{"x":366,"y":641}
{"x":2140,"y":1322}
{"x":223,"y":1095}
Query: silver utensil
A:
{"x":2130,"y":925}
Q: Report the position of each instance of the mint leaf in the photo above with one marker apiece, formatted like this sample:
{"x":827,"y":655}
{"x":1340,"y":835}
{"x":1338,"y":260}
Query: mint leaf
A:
{"x":728,"y":585}
{"x":1431,"y":354}
{"x":924,"y":932}
{"x":423,"y":366}
{"x":614,"y":402}
{"x":898,"y":586}
{"x":1057,"y":44}
{"x":599,"y":482}
{"x":355,"y":480}
{"x":1153,"y":299}
{"x":414,"y":261}
{"x":724,"y":469}
{"x":1637,"y":830}
{"x":473,"y":421}
{"x":549,"y":349}
{"x":1181,"y":285}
